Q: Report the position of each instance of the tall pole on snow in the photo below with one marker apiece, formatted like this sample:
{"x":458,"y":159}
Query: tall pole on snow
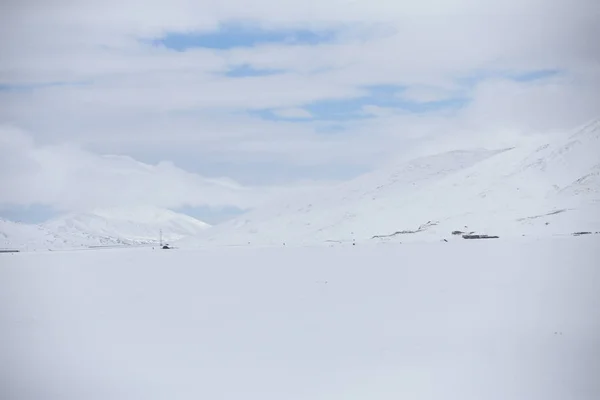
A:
{"x":160,"y":240}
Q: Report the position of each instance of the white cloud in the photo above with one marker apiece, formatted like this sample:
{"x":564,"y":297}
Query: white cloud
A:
{"x":93,"y":38}
{"x":379,"y":111}
{"x":132,"y":97}
{"x":558,"y":103}
{"x":69,"y":178}
{"x":294,"y":112}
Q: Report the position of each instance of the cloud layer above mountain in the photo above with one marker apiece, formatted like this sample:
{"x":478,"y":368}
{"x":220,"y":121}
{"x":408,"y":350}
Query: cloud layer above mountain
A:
{"x":272,"y":93}
{"x":67,"y":177}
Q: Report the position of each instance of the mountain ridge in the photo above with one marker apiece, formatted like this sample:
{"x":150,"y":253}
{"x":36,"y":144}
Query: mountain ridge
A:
{"x":129,"y":226}
{"x":487,"y":191}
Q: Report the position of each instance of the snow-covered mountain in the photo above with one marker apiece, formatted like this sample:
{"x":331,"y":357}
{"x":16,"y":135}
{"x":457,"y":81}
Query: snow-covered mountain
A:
{"x":14,"y":235}
{"x":135,"y":224}
{"x":30,"y":237}
{"x":102,"y":227}
{"x":547,"y":189}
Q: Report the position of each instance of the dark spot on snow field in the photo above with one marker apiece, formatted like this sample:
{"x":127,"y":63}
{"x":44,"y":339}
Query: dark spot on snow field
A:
{"x":542,"y":215}
{"x":480,"y":237}
{"x":581,"y":233}
{"x":456,"y":233}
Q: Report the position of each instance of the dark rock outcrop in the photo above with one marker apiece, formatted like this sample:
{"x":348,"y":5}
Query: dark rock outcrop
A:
{"x":480,"y":237}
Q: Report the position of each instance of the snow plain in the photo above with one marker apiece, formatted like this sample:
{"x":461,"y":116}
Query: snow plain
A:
{"x":505,"y":319}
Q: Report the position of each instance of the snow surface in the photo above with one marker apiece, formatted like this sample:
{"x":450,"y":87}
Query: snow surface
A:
{"x":102,"y":227}
{"x":509,"y":319}
{"x":542,"y":190}
{"x":14,"y":235}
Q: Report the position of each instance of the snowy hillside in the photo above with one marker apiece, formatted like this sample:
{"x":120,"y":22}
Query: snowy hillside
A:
{"x":106,"y":227}
{"x":15,"y":235}
{"x":137,"y":225}
{"x":29,"y":237}
{"x":550,"y":189}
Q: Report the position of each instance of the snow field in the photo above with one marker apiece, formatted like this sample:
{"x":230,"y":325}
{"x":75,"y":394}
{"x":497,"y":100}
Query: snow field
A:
{"x":509,"y":319}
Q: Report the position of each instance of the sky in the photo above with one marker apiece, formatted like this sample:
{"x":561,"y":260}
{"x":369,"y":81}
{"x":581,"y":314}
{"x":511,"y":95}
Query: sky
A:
{"x":216,"y":107}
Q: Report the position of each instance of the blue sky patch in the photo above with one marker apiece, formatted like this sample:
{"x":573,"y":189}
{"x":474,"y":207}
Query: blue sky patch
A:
{"x":517,"y":76}
{"x":231,"y":36}
{"x":387,"y":96}
{"x":534,"y":75}
{"x":243,"y":71}
{"x":271,"y":115}
{"x":31,"y":214}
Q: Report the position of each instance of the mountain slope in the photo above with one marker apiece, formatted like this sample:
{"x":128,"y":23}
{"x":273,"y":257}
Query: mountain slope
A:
{"x":14,"y":235}
{"x":107,"y":227}
{"x":544,"y":190}
{"x":130,"y":225}
{"x":30,"y":237}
